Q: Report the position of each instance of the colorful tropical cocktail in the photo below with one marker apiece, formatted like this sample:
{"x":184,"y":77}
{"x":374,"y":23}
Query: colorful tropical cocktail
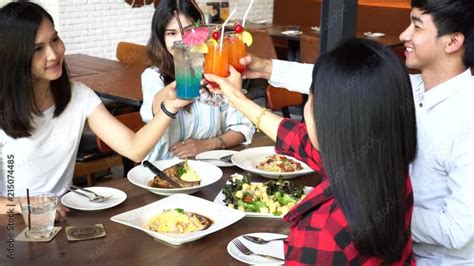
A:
{"x":188,"y":67}
{"x":216,"y":60}
{"x":236,"y":50}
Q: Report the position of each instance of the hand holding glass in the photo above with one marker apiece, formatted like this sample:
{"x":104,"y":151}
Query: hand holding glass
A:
{"x":188,"y":71}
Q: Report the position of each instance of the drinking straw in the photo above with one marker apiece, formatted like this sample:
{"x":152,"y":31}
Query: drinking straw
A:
{"x":203,"y":22}
{"x":179,"y":23}
{"x":247,"y":12}
{"x":29,"y":209}
{"x":221,"y":41}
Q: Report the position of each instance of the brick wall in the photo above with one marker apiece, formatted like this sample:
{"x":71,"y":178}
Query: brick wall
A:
{"x":95,"y":27}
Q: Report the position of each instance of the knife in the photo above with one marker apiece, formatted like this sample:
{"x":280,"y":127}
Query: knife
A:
{"x":161,"y":174}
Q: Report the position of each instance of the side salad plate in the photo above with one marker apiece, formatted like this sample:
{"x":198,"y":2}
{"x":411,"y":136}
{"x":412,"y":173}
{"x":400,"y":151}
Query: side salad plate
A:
{"x":249,"y":198}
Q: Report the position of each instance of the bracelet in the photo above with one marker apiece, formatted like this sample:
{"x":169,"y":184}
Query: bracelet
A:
{"x":221,"y":141}
{"x":259,"y":118}
{"x":168,"y":113}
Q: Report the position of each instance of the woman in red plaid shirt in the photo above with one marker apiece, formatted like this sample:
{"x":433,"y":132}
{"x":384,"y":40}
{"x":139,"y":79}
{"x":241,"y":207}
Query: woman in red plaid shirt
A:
{"x":360,"y":133}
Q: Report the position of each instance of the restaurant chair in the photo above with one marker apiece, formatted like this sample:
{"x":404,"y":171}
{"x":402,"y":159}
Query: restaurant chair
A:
{"x":309,"y":49}
{"x":280,"y":99}
{"x":102,"y":158}
{"x":132,"y":54}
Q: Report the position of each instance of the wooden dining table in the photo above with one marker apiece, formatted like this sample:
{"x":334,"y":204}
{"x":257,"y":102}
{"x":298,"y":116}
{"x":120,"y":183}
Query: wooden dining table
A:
{"x":293,"y":41}
{"x":108,"y":78}
{"x":124,"y":245}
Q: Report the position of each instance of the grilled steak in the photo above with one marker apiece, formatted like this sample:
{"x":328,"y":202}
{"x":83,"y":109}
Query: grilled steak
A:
{"x":173,"y":173}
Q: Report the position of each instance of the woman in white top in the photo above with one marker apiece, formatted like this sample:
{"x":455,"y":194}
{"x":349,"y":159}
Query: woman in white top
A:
{"x":198,"y":127}
{"x":42,"y":114}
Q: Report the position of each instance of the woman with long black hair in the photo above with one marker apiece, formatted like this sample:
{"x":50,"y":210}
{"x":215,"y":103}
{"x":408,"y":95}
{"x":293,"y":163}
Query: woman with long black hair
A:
{"x":360,"y":133}
{"x":42,"y":113}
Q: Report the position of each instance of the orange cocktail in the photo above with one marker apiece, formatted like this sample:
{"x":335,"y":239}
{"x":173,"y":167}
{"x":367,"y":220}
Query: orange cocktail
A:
{"x":216,"y":60}
{"x":236,"y":50}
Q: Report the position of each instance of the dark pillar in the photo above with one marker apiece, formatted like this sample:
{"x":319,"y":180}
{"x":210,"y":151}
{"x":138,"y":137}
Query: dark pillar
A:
{"x":338,"y":21}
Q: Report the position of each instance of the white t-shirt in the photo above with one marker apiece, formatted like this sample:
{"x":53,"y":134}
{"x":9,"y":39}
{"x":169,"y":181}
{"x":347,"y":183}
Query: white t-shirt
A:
{"x":203,"y":122}
{"x":44,"y":162}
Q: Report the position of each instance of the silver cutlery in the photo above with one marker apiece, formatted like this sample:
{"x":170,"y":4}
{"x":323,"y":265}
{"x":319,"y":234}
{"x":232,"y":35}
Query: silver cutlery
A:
{"x":161,"y":174}
{"x":245,"y":250}
{"x":224,"y":159}
{"x":258,"y":240}
{"x":92,"y":198}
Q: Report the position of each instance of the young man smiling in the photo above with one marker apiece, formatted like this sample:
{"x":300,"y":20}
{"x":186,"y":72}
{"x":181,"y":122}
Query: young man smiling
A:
{"x":440,"y":43}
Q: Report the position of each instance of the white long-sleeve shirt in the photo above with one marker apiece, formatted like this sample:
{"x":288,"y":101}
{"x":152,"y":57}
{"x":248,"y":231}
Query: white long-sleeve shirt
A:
{"x":442,"y":174}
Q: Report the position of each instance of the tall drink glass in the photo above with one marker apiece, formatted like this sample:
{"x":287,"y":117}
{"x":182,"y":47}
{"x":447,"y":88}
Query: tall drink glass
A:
{"x":236,"y":50}
{"x":188,"y":68}
{"x":42,"y":211}
{"x":216,"y":61}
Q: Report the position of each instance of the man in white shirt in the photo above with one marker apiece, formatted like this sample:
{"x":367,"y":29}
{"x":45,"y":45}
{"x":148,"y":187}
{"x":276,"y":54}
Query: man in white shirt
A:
{"x":440,"y":43}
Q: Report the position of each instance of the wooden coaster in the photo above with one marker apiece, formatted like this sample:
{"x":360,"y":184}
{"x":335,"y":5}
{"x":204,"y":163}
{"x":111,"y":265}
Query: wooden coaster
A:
{"x":84,"y":232}
{"x":22,"y":236}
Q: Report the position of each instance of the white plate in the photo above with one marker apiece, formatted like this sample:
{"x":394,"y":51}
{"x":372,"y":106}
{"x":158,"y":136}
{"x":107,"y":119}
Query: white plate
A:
{"x":248,"y":159}
{"x":220,"y":216}
{"x":316,"y":28}
{"x":274,"y":248}
{"x":78,"y":202}
{"x":292,"y":32}
{"x":374,"y":34}
{"x":221,"y":197}
{"x":140,"y":175}
{"x":216,"y":154}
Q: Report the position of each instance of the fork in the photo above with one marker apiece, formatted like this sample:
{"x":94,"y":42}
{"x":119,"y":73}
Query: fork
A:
{"x":245,"y":250}
{"x":95,"y":198}
{"x":225,"y":159}
{"x":258,"y":240}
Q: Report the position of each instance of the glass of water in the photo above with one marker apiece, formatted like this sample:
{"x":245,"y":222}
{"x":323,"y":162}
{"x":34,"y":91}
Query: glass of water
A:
{"x":42,"y":211}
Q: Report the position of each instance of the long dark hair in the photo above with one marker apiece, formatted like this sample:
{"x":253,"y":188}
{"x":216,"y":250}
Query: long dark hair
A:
{"x":156,"y":47}
{"x":366,"y":129}
{"x":19,"y":23}
{"x":451,"y":16}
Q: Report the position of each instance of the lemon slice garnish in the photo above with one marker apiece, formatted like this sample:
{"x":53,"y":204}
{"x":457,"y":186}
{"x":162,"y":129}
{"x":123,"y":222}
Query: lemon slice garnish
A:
{"x":200,"y":48}
{"x":247,"y":38}
{"x":212,"y":42}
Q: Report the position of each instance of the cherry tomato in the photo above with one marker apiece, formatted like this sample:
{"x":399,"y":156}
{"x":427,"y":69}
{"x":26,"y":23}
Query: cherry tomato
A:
{"x":216,"y":35}
{"x":247,"y":199}
{"x":238,"y":28}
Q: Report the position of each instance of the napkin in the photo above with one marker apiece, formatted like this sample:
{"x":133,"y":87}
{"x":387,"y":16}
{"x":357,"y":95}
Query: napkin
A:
{"x":274,"y":248}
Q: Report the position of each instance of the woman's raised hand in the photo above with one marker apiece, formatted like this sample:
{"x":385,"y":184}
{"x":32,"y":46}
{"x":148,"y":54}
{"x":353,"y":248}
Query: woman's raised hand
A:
{"x":256,"y":67}
{"x":173,"y":103}
{"x":231,"y":86}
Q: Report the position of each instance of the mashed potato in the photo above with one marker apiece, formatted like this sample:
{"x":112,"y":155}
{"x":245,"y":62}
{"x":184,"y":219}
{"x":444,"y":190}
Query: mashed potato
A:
{"x":178,"y":221}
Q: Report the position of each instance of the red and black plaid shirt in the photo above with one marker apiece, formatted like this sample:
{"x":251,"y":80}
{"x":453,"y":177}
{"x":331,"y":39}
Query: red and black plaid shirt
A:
{"x":320,"y":234}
